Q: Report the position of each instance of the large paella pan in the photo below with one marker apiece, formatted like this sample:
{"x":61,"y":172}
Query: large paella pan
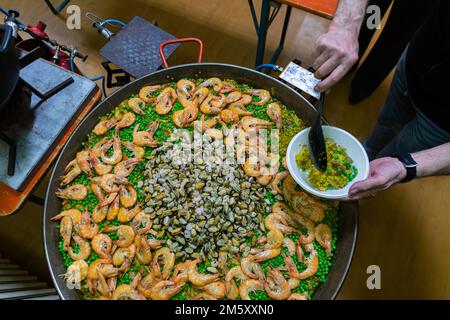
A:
{"x":134,"y":223}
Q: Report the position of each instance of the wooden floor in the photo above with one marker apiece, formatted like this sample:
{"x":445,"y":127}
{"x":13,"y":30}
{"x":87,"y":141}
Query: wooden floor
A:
{"x":404,"y":230}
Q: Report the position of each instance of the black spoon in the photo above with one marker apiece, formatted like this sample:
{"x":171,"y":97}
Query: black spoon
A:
{"x":316,"y":140}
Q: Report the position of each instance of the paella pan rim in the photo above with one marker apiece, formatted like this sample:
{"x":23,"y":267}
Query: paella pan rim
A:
{"x":348,"y":212}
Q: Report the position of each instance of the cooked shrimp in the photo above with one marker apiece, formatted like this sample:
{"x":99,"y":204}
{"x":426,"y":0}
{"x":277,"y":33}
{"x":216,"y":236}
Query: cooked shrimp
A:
{"x":138,"y":152}
{"x":164,"y":102}
{"x":276,"y":285}
{"x":240,"y":110}
{"x":83,"y":161}
{"x":233,"y":97}
{"x":126,"y":215}
{"x":266,"y":254}
{"x":186,"y":88}
{"x":146,"y":93}
{"x":99,"y":167}
{"x":76,"y":273}
{"x":181,"y":272}
{"x":128,"y":196}
{"x":74,"y":192}
{"x":270,"y":164}
{"x":314,"y":211}
{"x":200,"y":279}
{"x":137,"y":105}
{"x":213,"y":104}
{"x":109,"y":199}
{"x":306,"y":224}
{"x":123,"y":257}
{"x":229,"y":116}
{"x":126,"y":236}
{"x":126,"y":167}
{"x":222,"y":263}
{"x":200,"y":95}
{"x":167,"y":259}
{"x":74,"y":214}
{"x":297,"y":296}
{"x":155,"y":244}
{"x":104,"y":126}
{"x":274,"y":113}
{"x":65,"y":230}
{"x":252,"y":123}
{"x":291,"y":269}
{"x":113,"y":209}
{"x":126,"y":292}
{"x":145,"y":138}
{"x":88,"y":228}
{"x":144,"y":286}
{"x":251,"y":268}
{"x":94,"y":273}
{"x":231,"y":287}
{"x":275,"y":221}
{"x":143,"y":253}
{"x":71,"y":171}
{"x":84,"y":249}
{"x":289,"y":244}
{"x":127,"y":120}
{"x":99,"y":213}
{"x":214,"y":82}
{"x":242,"y":102}
{"x":182,"y":118}
{"x":252,"y":167}
{"x":215,"y":289}
{"x":299,"y":252}
{"x":202,"y":125}
{"x":312,"y":263}
{"x":248,"y":286}
{"x":227,"y":87}
{"x":141,"y":223}
{"x":293,"y":283}
{"x":274,"y":239}
{"x":324,"y":236}
{"x":109,"y":182}
{"x":98,"y":192}
{"x":116,"y":156}
{"x":262,"y":95}
{"x":102,"y":244}
{"x":277,"y":180}
{"x":164,"y":290}
{"x":280,"y":207}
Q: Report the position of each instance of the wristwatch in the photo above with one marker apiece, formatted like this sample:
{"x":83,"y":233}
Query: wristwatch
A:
{"x":410,"y":166}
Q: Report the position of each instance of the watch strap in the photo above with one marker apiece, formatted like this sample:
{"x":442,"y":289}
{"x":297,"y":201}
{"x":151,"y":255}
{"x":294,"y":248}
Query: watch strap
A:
{"x":410,"y":166}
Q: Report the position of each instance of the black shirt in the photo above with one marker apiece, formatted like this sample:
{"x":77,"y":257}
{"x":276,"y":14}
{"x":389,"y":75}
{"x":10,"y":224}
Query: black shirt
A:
{"x":428,"y":65}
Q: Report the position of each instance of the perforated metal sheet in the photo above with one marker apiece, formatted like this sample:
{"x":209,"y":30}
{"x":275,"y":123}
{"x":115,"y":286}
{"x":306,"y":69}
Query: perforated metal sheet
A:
{"x":135,"y":49}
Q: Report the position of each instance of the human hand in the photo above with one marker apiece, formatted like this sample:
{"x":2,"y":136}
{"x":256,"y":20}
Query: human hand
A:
{"x":383,"y":174}
{"x":336,"y":52}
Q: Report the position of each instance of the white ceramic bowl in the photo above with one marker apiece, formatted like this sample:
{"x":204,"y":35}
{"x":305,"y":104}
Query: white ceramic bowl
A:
{"x":354,"y":150}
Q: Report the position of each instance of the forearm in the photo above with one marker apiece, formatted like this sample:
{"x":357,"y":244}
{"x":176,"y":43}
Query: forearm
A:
{"x":349,"y":15}
{"x":433,"y":162}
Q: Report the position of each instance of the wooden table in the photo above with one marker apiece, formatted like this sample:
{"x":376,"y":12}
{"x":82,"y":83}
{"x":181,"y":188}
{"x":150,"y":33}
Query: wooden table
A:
{"x":270,"y":9}
{"x":12,"y":200}
{"x":324,"y":8}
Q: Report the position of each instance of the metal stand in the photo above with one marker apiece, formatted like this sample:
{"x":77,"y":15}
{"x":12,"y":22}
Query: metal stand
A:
{"x":12,"y":153}
{"x":269,"y":11}
{"x":59,"y":8}
{"x":36,"y":200}
{"x":121,"y":77}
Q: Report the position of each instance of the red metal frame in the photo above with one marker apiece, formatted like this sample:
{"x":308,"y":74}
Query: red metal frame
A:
{"x":162,"y":45}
